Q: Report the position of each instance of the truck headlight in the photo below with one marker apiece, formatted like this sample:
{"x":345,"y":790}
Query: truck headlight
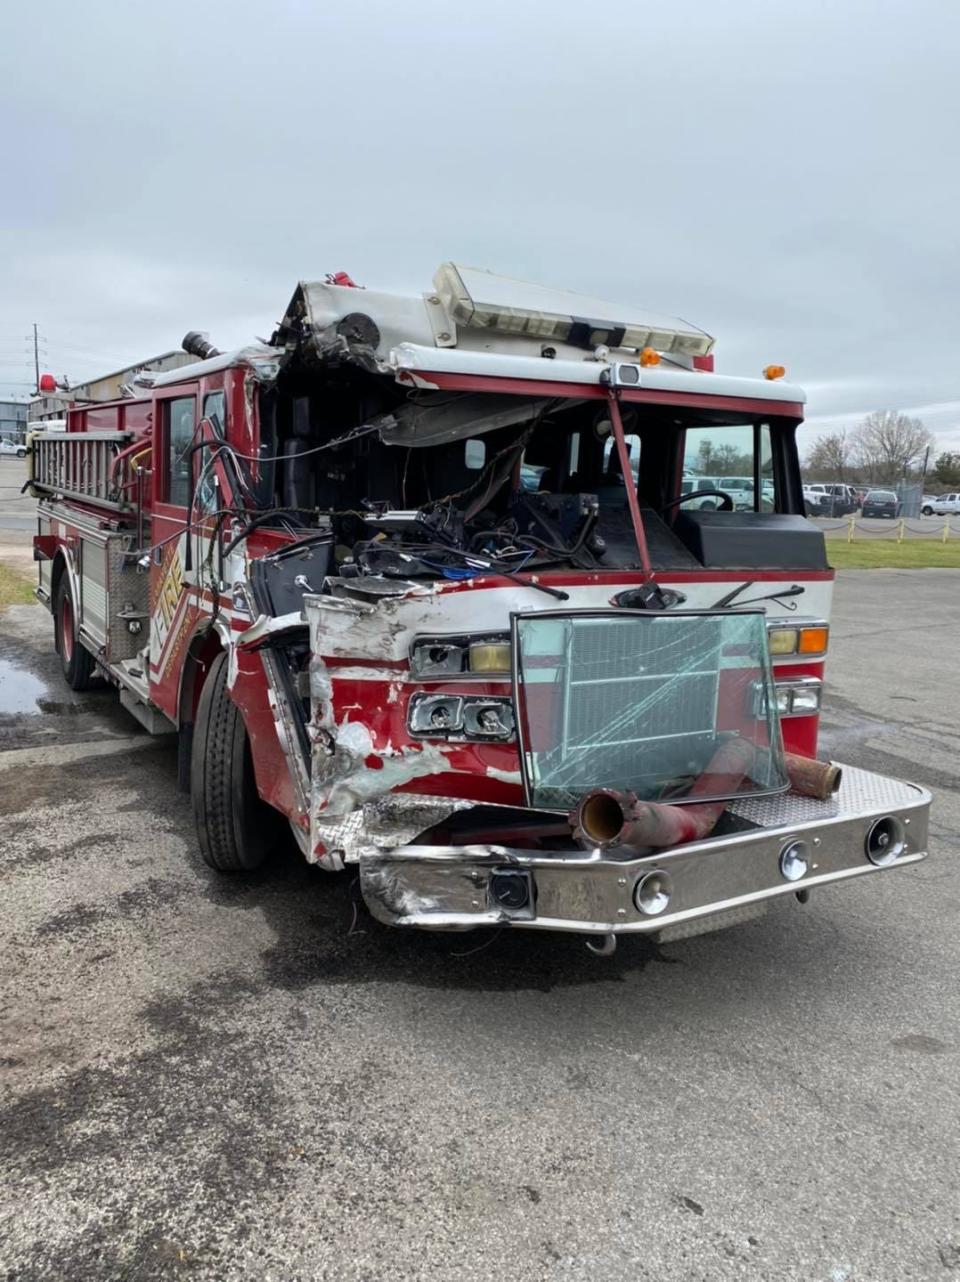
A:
{"x":490,"y":656}
{"x":797,"y":698}
{"x":807,"y":639}
{"x":445,"y":716}
{"x":439,"y":658}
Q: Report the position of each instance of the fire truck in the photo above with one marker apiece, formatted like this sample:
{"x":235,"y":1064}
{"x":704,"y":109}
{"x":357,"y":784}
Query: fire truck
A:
{"x":417,"y":580}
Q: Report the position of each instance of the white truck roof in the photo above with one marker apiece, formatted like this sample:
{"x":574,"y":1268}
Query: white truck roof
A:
{"x":478,"y":324}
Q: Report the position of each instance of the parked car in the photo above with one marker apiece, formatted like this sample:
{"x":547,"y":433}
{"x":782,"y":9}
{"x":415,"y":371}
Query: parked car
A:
{"x":815,"y":500}
{"x":941,"y":505}
{"x":832,"y":499}
{"x":881,"y":503}
{"x":733,"y":485}
{"x":15,"y":448}
{"x":841,"y":500}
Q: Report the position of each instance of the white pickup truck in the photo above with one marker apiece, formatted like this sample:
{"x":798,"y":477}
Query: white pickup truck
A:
{"x":944,"y":505}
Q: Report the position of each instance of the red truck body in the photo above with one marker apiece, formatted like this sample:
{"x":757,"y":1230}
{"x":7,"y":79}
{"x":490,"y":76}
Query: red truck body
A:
{"x":365,"y":531}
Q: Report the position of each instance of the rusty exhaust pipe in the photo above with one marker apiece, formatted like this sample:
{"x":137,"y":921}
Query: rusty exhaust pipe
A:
{"x":812,"y":778}
{"x":607,"y":818}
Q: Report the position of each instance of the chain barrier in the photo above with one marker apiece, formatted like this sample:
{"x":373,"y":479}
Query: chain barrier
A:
{"x":896,"y":531}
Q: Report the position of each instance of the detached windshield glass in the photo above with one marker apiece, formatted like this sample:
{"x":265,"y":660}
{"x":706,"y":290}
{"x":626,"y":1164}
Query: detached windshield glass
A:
{"x":647,"y":703}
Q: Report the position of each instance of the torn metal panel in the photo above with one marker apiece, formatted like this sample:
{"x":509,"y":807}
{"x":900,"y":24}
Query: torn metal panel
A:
{"x":436,"y":418}
{"x":327,"y":323}
{"x":391,"y":820}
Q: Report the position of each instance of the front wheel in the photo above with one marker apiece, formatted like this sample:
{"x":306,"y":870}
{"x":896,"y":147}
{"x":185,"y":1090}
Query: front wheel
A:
{"x":927,"y":511}
{"x":75,"y":661}
{"x":236,"y":829}
{"x":21,"y":453}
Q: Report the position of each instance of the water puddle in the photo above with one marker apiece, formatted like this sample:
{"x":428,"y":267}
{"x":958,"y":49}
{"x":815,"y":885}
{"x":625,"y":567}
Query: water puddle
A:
{"x":20,"y":691}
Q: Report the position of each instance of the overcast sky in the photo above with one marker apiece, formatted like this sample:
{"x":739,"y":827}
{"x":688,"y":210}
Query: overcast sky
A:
{"x":784,"y":175}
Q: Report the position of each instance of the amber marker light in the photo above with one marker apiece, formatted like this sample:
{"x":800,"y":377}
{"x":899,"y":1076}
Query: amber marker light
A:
{"x":813,"y":640}
{"x":649,"y":357}
{"x":774,"y":371}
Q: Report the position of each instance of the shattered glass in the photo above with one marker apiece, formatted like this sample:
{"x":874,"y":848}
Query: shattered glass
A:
{"x":649,"y":703}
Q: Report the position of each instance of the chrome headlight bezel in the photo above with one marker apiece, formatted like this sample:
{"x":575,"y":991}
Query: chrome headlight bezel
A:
{"x":448,"y":658}
{"x":461,"y":717}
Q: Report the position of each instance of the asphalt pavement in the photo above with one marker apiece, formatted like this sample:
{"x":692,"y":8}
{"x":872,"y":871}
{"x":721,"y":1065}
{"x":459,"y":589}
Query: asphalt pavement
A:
{"x":207,"y":1078}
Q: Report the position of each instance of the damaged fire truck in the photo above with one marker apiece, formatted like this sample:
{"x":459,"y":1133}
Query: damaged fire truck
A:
{"x":449,"y":585}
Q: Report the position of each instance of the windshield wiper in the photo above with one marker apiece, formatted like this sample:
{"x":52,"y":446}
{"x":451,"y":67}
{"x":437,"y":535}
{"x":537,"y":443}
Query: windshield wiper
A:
{"x":795,"y":589}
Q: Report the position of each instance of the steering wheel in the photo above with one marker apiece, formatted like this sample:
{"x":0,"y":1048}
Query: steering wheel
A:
{"x":725,"y":504}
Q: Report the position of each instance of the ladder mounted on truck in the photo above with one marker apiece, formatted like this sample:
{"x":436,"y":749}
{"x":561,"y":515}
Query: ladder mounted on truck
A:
{"x":80,"y":465}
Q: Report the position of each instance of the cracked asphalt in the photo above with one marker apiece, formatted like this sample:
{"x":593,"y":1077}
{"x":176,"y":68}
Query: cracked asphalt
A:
{"x":250,"y":1079}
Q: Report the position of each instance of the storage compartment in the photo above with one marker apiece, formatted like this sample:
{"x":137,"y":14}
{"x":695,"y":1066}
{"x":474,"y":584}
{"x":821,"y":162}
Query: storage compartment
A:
{"x":752,"y":540}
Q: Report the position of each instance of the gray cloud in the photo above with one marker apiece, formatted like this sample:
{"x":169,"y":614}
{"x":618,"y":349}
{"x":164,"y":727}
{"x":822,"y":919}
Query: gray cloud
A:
{"x":780,"y":174}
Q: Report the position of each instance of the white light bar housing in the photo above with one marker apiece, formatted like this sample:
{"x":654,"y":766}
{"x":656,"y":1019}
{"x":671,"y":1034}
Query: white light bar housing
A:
{"x":478,"y":299}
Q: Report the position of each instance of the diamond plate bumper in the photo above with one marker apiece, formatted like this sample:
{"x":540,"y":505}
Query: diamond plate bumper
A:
{"x":723,"y":879}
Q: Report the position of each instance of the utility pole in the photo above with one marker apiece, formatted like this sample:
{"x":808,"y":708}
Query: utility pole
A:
{"x":36,"y":358}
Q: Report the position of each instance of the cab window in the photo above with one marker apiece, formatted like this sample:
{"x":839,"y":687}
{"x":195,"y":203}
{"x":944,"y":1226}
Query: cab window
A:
{"x":736,"y":458}
{"x":180,"y":414}
{"x":214,"y":409}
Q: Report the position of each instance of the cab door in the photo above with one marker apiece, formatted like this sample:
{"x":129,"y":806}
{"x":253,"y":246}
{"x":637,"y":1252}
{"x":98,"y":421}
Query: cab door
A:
{"x":175,"y":427}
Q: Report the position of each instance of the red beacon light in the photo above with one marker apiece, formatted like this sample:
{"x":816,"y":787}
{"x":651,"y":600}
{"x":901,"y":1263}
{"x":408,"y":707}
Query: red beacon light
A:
{"x":47,"y":383}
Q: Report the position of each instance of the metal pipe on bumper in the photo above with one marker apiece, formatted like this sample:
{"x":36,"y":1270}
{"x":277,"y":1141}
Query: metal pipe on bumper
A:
{"x":611,"y":892}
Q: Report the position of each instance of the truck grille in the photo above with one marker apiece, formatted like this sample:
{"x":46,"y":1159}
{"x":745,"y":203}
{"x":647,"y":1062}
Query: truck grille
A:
{"x":639,"y":702}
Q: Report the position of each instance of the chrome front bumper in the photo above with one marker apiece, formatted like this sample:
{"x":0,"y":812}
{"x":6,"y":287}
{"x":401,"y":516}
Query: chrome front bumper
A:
{"x":715,"y":882}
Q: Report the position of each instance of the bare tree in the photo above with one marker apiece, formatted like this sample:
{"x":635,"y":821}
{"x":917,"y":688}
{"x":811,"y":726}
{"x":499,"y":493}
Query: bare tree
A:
{"x":887,"y":442}
{"x":829,"y":457}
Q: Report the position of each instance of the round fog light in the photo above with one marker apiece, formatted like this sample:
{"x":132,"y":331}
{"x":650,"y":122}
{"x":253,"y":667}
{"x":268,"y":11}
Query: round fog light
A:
{"x":794,"y":860}
{"x":885,"y":841}
{"x":652,"y":893}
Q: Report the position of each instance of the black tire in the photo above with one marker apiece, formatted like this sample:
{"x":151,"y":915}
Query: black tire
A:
{"x":927,"y":511}
{"x":76,"y":661}
{"x":236,"y":829}
{"x":21,"y":453}
{"x":708,"y":505}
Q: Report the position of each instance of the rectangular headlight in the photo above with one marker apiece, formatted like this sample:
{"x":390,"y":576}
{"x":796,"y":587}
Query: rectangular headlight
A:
{"x":805,"y":699}
{"x":798,"y":698}
{"x":782,"y":640}
{"x":445,"y":658}
{"x":490,"y":656}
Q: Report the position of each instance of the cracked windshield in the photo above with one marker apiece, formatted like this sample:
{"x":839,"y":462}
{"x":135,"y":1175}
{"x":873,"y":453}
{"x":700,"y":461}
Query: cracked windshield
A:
{"x":668,"y":706}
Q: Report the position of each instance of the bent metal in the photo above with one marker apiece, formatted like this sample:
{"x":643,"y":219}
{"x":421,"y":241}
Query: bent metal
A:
{"x":452,"y":587}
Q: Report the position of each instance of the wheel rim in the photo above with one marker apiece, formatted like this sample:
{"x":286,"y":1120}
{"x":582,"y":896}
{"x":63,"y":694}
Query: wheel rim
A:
{"x":66,"y":629}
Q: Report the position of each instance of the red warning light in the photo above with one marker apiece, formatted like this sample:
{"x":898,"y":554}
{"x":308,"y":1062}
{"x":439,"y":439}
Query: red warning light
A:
{"x":48,"y":383}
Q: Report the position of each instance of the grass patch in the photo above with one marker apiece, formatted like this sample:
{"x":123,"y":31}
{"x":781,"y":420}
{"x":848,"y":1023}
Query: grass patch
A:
{"x":911,"y":554}
{"x":15,"y":588}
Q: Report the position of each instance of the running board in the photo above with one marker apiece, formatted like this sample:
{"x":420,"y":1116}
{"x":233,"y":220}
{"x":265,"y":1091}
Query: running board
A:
{"x":152,"y":719}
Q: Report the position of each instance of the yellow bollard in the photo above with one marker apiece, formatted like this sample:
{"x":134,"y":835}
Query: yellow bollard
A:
{"x":946,"y":530}
{"x":900,"y":532}
{"x":851,"y":527}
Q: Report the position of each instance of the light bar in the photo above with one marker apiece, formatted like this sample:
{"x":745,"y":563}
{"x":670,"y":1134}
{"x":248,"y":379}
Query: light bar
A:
{"x":481,"y":300}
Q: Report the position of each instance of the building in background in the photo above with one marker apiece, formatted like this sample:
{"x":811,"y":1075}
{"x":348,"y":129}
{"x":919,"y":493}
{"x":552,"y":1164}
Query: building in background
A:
{"x":54,"y":406}
{"x":13,"y":420}
{"x":106,"y":387}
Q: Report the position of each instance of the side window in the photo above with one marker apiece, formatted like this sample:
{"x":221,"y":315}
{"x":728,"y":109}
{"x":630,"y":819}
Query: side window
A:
{"x":475,"y":454}
{"x":214,"y":408}
{"x":768,"y":493}
{"x":737,"y":458}
{"x":179,"y":415}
